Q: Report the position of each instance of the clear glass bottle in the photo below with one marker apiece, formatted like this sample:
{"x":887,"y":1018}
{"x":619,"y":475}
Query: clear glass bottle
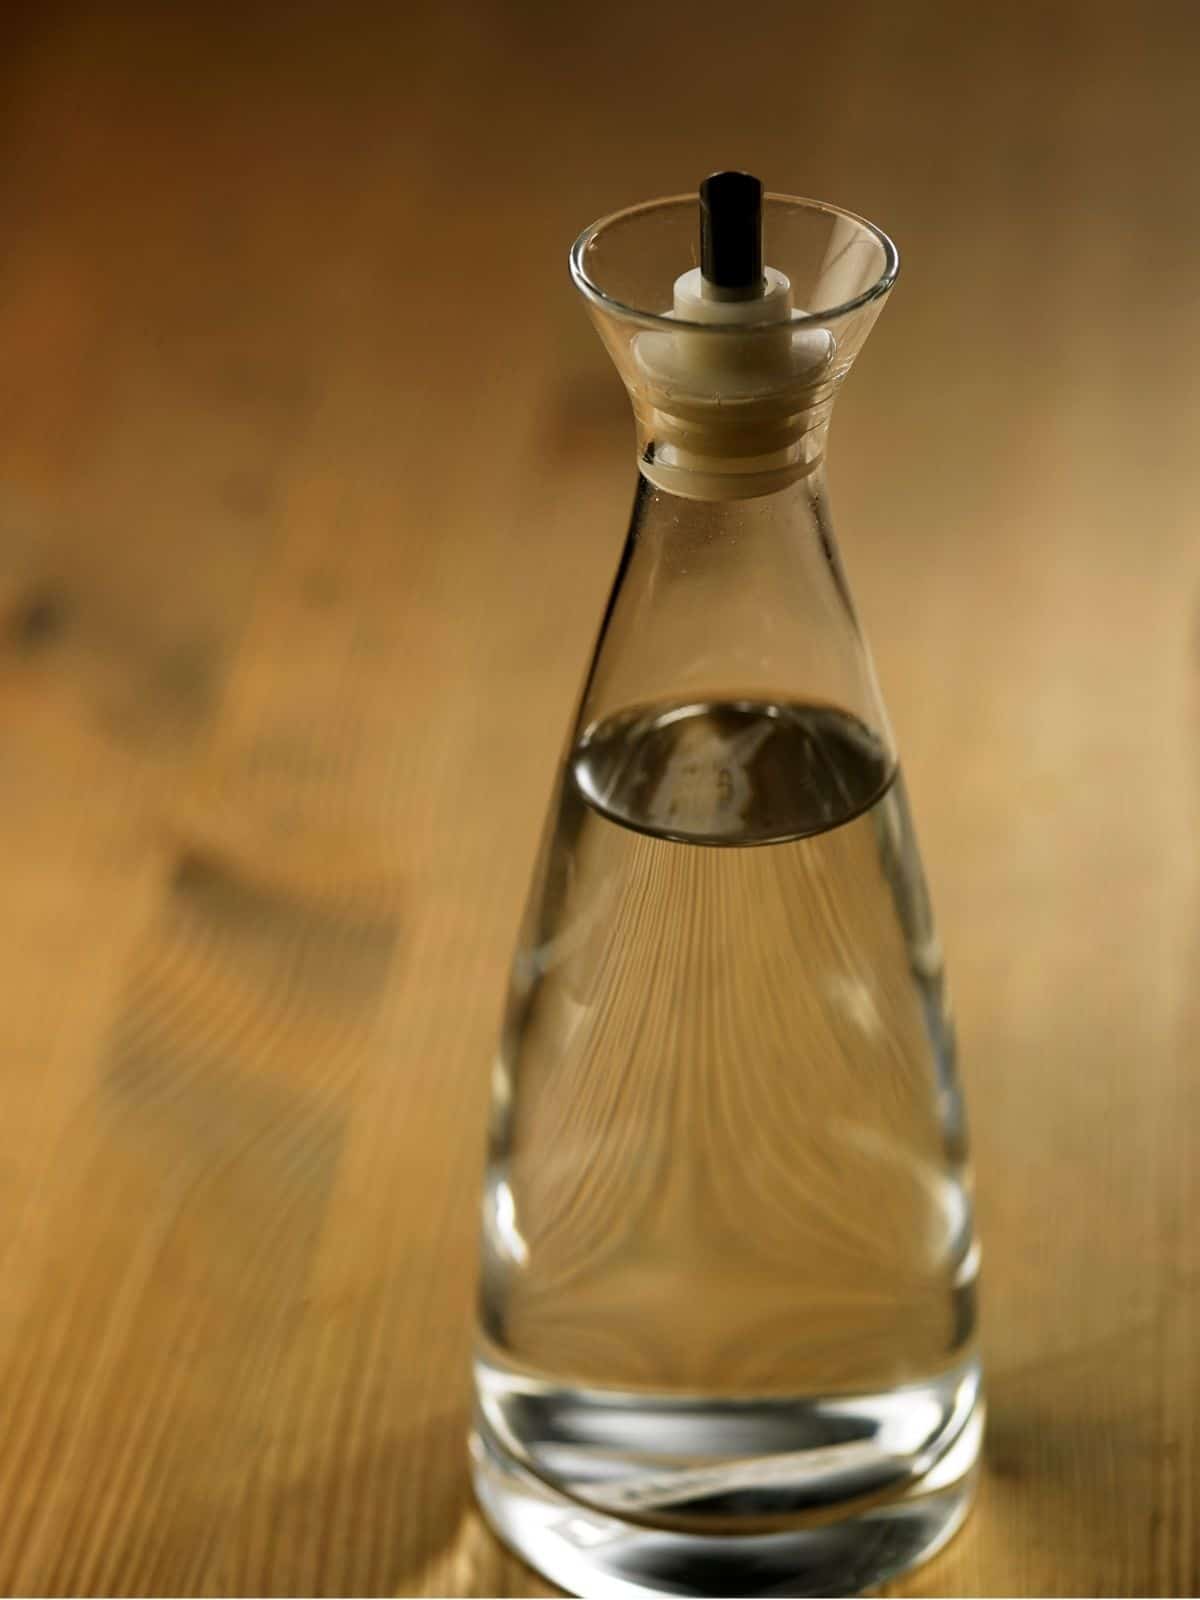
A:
{"x":727,"y":1324}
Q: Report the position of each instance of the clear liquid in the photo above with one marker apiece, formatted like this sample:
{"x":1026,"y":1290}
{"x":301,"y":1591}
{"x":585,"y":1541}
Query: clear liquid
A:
{"x":728,"y":1261}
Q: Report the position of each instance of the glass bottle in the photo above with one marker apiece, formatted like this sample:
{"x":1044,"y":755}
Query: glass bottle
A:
{"x":727,"y":1323}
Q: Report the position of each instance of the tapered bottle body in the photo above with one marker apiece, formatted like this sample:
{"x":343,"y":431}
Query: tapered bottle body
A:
{"x":727,"y":1318}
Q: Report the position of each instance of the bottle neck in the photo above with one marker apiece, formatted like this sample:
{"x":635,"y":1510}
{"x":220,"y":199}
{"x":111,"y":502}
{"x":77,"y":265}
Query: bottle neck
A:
{"x":732,"y":601}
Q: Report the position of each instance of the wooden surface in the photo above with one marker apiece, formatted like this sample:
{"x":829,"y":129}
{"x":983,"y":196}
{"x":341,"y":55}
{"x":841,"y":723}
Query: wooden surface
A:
{"x":312,"y":479}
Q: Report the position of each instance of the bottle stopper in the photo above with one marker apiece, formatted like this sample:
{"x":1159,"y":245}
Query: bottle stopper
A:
{"x":732,"y":391}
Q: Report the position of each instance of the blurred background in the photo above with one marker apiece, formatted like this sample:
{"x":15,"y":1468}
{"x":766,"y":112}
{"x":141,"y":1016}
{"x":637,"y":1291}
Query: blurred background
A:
{"x":313,"y":477}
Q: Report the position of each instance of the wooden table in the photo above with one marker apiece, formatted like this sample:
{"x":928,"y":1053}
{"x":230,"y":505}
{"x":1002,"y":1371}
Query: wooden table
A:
{"x":312,"y":479}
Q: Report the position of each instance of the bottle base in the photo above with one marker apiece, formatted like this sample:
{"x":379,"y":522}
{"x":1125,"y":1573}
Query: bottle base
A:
{"x":838,"y":1550}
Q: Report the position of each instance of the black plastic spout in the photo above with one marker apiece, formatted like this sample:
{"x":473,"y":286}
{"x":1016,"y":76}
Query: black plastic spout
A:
{"x":731,"y":234}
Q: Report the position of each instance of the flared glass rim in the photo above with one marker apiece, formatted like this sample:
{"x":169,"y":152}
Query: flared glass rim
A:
{"x":820,"y":317}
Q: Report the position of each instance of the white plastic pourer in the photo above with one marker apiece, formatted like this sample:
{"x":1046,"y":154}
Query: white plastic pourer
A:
{"x":727,"y":400}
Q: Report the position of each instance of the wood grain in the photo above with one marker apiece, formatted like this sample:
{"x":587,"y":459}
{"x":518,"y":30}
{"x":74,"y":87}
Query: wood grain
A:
{"x":312,"y":477}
